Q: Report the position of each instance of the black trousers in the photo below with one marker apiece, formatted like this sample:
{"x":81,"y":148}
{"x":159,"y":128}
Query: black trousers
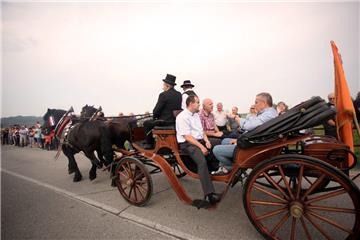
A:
{"x":148,"y":126}
{"x":196,"y":154}
{"x":222,"y":128}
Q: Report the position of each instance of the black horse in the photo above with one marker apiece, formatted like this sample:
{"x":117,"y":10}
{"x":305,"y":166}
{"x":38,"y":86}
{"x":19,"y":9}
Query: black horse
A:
{"x":93,"y":132}
{"x":87,"y":135}
{"x":51,"y":118}
{"x":119,"y":128}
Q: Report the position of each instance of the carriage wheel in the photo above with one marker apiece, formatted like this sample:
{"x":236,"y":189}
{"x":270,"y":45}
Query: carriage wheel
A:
{"x":134,"y":181}
{"x":296,"y":210}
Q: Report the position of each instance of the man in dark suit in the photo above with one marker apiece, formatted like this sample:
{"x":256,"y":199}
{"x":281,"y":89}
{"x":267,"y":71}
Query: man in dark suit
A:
{"x":169,"y":101}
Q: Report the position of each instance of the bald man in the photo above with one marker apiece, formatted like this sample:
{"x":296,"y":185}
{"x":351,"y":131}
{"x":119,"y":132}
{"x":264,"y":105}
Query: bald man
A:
{"x":208,"y":122}
{"x":330,"y":125}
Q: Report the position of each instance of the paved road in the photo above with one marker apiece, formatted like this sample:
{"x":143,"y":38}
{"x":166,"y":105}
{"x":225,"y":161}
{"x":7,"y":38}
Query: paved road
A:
{"x":165,"y":214}
{"x":35,"y":212}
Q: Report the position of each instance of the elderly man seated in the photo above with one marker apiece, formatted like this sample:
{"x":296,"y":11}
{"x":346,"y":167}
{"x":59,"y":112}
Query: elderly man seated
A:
{"x":208,"y":122}
{"x":265,"y":112}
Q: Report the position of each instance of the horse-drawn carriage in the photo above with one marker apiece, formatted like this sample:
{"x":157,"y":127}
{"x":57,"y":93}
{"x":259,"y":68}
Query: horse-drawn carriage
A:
{"x":296,"y":184}
{"x":290,"y":175}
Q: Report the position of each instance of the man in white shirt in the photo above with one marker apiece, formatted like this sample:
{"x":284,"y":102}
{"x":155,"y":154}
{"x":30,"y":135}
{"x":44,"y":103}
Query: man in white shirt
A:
{"x":193,"y":141}
{"x":220,"y":117}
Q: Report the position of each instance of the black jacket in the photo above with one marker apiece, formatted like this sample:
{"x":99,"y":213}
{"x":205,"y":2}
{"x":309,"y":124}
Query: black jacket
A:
{"x":168,"y":101}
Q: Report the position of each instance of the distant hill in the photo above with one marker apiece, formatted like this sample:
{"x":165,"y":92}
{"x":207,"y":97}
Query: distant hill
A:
{"x":21,"y":120}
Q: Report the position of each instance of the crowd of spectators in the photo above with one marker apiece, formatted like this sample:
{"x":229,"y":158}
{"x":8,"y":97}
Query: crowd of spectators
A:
{"x":34,"y":137}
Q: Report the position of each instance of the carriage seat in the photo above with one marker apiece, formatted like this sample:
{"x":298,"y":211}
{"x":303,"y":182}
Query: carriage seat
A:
{"x":166,"y":138}
{"x":305,"y":115}
{"x":170,"y":127}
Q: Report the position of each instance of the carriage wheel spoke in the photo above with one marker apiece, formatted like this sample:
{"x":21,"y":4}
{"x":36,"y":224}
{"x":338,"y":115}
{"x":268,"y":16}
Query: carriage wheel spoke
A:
{"x":276,"y":185}
{"x":125,"y":186}
{"x":138,"y":176}
{"x":278,"y":181}
{"x":280,"y":223}
{"x":141,"y":182}
{"x":134,"y":173}
{"x":135,"y":195}
{"x":272,"y":213}
{"x":127,"y":171}
{"x":130,"y":170}
{"x":131,"y":188}
{"x":266,"y":203}
{"x":331,"y":209}
{"x":308,"y":180}
{"x":137,"y":187}
{"x":317,"y":227}
{"x":331,"y":222}
{"x":325,"y":196}
{"x":313,"y":186}
{"x":285,"y":181}
{"x":269,"y":193}
{"x":293,"y":227}
{"x":305,"y":228}
{"x":123,"y":174}
{"x":301,"y":173}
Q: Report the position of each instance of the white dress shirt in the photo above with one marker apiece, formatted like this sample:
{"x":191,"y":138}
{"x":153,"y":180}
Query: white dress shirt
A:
{"x":188,"y":123}
{"x":220,"y":118}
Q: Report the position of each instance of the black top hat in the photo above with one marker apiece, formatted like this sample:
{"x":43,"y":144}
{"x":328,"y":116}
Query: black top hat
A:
{"x":187,"y":83}
{"x":170,"y":79}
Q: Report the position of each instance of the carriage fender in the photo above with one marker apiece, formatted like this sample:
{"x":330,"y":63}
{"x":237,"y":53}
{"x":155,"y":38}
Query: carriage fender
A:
{"x":167,"y":170}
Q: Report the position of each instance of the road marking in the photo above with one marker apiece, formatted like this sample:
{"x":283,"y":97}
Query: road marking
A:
{"x":169,"y":232}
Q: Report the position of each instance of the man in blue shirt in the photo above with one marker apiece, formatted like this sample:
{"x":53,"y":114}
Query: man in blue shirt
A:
{"x":264,"y":112}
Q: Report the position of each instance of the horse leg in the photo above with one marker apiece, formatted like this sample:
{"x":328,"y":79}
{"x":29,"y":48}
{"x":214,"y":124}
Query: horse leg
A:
{"x":94,"y":160}
{"x":66,"y":150}
{"x":100,"y":156}
{"x":92,"y":172}
{"x":92,"y":157}
{"x":106,"y":147}
{"x":113,"y":175}
{"x":72,"y":165}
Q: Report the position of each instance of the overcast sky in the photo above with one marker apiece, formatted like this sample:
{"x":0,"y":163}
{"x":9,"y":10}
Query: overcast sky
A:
{"x":57,"y":55}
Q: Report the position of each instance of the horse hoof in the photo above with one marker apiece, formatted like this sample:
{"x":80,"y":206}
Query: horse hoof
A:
{"x":113,"y":183}
{"x":70,"y":171}
{"x":77,"y":178}
{"x":99,"y":165}
{"x":92,"y":177}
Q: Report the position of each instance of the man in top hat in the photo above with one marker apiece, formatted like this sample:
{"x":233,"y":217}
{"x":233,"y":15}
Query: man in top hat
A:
{"x":187,"y":87}
{"x":169,"y":101}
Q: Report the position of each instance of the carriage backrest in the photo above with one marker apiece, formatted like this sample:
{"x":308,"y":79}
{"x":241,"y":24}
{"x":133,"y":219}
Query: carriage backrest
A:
{"x":303,"y":116}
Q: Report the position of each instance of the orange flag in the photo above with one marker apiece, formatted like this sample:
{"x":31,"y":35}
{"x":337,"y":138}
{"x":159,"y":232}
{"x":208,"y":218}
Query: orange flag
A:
{"x":345,"y":109}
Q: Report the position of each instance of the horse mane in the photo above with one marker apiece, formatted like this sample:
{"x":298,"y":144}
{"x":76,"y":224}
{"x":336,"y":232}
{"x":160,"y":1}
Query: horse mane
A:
{"x":87,"y":111}
{"x":56,"y":113}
